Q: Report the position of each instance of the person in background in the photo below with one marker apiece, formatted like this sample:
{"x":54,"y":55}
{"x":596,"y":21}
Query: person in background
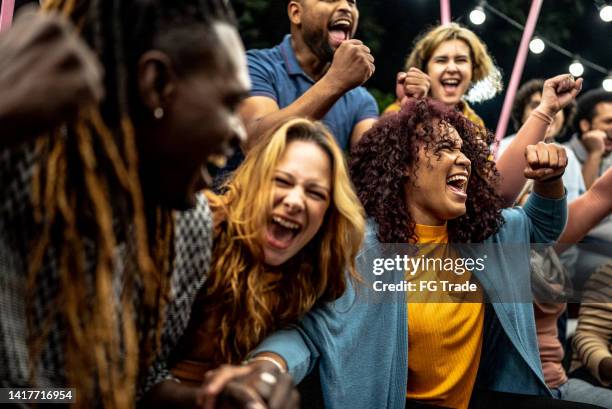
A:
{"x":592,"y":359}
{"x":592,"y":144}
{"x":460,"y":68}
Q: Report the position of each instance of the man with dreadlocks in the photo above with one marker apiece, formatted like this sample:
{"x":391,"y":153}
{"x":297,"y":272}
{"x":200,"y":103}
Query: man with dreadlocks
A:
{"x":95,"y":290}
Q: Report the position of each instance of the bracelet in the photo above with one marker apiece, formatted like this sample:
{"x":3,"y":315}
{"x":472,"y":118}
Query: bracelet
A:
{"x":542,"y":116}
{"x":267,"y":359}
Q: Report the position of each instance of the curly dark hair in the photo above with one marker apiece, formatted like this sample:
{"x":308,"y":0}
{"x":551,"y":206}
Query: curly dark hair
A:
{"x":379,"y":163}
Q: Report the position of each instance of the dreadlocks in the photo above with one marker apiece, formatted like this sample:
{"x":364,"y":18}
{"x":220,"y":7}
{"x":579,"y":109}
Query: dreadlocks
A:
{"x":87,"y":200}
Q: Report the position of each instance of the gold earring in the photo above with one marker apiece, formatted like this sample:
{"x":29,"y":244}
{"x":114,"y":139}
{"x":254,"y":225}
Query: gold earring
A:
{"x":158,"y":113}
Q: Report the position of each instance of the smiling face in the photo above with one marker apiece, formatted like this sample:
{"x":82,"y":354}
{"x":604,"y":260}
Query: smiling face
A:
{"x":324,"y":25}
{"x":450,"y":70}
{"x":200,"y":120}
{"x":302,"y":194}
{"x":436,"y":192}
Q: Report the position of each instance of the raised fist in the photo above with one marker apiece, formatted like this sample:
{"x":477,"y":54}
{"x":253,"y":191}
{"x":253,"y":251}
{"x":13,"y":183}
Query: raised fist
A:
{"x":545,"y":161}
{"x":558,"y":92}
{"x":412,"y":84}
{"x":352,"y":65}
{"x":594,"y":141}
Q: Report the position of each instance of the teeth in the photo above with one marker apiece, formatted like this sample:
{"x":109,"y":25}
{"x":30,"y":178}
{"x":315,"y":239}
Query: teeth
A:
{"x":450,"y":82}
{"x":286,"y":223}
{"x":457,"y":178}
{"x":341,"y":24}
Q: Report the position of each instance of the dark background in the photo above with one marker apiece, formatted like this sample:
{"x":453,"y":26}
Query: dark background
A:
{"x":389,"y":27}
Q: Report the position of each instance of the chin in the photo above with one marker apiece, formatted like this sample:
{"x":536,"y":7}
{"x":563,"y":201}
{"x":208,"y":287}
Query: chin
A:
{"x":272,"y":258}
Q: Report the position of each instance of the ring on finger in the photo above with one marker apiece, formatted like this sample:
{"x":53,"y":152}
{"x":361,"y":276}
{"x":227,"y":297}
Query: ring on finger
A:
{"x":268,"y":378}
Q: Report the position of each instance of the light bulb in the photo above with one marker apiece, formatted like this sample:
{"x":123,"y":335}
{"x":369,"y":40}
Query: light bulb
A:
{"x":478,"y":16}
{"x":536,"y":45}
{"x":576,"y":68}
{"x":606,"y":13}
{"x":607,"y":83}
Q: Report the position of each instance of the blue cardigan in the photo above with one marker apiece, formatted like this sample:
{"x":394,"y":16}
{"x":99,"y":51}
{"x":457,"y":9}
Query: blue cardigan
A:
{"x":360,"y":341}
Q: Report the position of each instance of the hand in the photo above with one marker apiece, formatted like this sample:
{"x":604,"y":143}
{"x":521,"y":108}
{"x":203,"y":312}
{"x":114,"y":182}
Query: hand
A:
{"x":412,"y":84}
{"x":605,"y":369}
{"x":352,"y":66}
{"x":545,"y":161}
{"x":558,"y":92}
{"x":258,"y":385}
{"x":46,"y":72}
{"x":594,"y":142}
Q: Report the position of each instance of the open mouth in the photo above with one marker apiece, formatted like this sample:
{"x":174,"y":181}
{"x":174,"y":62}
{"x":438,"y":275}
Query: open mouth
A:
{"x":340,"y":30}
{"x":281,"y":232}
{"x":457,"y":184}
{"x":450,"y":85}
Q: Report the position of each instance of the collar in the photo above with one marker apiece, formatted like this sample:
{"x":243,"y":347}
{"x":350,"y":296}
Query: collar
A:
{"x":291,"y":62}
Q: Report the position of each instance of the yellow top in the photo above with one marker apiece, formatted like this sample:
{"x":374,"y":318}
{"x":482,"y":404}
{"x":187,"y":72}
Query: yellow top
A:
{"x":445,"y":338}
{"x":465,"y":110}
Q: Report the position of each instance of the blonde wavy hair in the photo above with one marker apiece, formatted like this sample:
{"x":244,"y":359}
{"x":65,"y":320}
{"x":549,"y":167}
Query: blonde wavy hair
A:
{"x":486,"y":77}
{"x":248,"y":300}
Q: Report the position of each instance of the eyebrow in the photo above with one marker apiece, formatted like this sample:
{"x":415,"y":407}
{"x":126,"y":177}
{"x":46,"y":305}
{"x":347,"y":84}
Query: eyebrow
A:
{"x":308,"y":183}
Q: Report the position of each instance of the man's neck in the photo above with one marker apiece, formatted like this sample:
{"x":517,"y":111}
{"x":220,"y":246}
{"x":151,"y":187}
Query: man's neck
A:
{"x":310,"y":63}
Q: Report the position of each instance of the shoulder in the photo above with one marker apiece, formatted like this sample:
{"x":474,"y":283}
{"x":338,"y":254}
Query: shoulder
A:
{"x":270,"y":57}
{"x":193,"y":238}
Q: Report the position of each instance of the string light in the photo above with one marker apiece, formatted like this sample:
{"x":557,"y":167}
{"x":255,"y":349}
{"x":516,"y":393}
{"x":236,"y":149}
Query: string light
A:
{"x":607,"y":83}
{"x":606,"y":13}
{"x":478,"y":16}
{"x":537,"y":45}
{"x":576,"y":68}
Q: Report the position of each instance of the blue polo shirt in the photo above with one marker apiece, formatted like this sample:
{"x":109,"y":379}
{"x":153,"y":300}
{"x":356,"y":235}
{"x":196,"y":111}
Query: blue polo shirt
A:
{"x":276,"y":73}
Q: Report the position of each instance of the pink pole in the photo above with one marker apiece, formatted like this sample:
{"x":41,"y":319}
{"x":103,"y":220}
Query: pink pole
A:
{"x":445,"y":11}
{"x":6,"y":14}
{"x":517,"y":72}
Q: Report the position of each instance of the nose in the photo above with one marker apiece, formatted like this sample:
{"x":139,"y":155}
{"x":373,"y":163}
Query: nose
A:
{"x":464,"y":161}
{"x":451,"y":65}
{"x":294,"y":200}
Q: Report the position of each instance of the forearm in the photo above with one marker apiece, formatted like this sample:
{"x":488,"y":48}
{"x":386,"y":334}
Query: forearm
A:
{"x":550,"y":189}
{"x":512,"y":162}
{"x":590,"y":169}
{"x":169,"y":393}
{"x":313,"y":104}
{"x":584,"y":213}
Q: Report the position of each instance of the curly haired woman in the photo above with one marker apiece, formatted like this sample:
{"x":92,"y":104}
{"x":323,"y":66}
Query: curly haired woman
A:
{"x":424,"y":176}
{"x":286,"y":230}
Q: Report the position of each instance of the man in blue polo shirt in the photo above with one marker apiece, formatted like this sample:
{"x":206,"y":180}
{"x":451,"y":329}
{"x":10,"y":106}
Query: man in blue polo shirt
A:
{"x":316,"y":72}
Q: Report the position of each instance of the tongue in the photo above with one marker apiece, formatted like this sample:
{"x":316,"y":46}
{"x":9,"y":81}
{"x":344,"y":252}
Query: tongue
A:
{"x":337,"y":37}
{"x":280,"y":233}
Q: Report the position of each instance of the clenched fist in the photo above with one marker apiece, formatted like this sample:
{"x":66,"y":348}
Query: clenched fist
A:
{"x":558,"y":92}
{"x":545,"y":162}
{"x":352,"y":66}
{"x":412,"y":84}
